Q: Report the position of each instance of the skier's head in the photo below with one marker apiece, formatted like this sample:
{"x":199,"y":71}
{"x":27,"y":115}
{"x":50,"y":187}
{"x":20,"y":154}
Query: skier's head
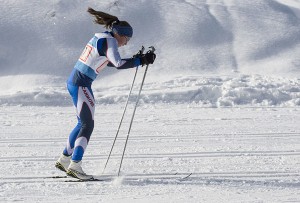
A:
{"x":122,"y":32}
{"x":121,"y":28}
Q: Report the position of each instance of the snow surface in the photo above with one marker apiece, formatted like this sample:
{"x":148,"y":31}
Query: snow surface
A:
{"x":221,"y":101}
{"x":235,"y":155}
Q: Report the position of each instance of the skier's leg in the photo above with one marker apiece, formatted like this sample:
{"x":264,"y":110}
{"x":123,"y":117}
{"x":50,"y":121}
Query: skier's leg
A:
{"x":68,"y":151}
{"x":73,"y":90}
{"x":64,"y":160}
{"x":83,"y":137}
{"x":85,"y":111}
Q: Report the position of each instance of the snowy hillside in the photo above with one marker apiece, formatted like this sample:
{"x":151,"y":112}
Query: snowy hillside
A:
{"x":206,"y":46}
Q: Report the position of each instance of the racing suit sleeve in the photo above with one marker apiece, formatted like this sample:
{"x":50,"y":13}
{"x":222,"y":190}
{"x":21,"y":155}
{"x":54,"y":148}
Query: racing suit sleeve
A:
{"x":114,"y":57}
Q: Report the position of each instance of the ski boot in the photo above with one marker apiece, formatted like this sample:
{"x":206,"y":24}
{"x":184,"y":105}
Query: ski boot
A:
{"x":63,"y":162}
{"x":75,"y":171}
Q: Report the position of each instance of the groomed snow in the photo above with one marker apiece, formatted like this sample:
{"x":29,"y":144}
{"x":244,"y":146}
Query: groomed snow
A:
{"x":235,"y":155}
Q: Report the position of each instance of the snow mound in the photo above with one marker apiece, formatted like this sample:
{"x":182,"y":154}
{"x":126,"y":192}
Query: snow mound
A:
{"x":206,"y":91}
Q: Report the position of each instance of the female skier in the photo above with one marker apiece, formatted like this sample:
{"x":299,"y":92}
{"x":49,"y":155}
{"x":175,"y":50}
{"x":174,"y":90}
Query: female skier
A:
{"x":101,"y":51}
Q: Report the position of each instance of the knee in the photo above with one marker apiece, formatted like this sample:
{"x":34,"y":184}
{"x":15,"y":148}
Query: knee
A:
{"x":88,"y":127}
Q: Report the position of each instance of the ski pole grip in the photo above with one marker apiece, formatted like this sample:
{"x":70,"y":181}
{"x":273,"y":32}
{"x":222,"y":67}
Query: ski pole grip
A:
{"x":152,"y":49}
{"x":140,"y":52}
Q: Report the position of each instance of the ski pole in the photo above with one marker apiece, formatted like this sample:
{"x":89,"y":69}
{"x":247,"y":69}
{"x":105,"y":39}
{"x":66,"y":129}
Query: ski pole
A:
{"x":136,"y":104}
{"x":121,"y":121}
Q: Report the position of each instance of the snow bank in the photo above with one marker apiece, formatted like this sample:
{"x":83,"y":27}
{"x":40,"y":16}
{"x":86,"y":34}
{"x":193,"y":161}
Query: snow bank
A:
{"x":208,"y":91}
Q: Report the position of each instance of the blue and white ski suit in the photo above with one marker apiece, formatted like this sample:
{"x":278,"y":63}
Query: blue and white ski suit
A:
{"x":101,"y":51}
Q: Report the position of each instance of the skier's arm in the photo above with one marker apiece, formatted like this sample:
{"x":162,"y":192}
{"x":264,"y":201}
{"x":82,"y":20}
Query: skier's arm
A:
{"x":115,"y":59}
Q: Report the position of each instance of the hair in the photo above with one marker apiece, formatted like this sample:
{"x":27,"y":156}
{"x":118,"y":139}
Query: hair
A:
{"x":106,"y":19}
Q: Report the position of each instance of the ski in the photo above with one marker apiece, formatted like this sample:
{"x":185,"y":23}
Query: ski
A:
{"x":177,"y":176}
{"x":81,"y":180}
{"x":57,"y":177}
{"x":72,"y":179}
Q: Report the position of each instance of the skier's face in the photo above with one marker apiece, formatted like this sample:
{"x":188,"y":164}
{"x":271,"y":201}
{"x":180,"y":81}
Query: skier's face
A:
{"x":122,"y":40}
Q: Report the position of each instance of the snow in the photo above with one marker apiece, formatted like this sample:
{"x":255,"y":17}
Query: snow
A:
{"x":221,"y":102}
{"x":235,"y":155}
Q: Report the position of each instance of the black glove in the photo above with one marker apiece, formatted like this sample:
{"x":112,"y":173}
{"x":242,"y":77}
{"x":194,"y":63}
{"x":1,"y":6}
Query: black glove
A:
{"x":148,"y":58}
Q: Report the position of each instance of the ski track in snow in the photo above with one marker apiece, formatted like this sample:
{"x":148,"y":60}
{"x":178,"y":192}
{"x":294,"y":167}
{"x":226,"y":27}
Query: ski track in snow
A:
{"x":235,"y":154}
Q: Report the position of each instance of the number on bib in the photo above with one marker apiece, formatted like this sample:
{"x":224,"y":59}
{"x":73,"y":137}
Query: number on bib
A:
{"x":86,"y":53}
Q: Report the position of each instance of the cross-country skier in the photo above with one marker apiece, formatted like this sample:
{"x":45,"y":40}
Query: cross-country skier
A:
{"x":101,"y":51}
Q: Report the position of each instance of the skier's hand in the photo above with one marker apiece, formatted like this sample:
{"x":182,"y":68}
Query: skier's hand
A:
{"x":148,"y":58}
